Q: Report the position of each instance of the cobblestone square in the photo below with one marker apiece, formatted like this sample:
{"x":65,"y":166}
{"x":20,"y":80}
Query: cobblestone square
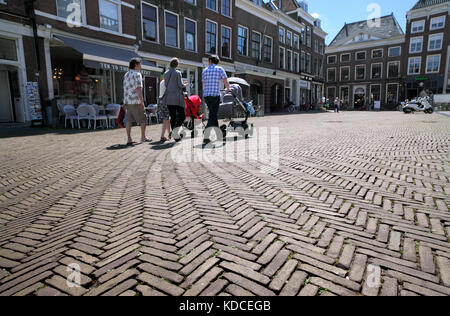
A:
{"x":358,"y":206}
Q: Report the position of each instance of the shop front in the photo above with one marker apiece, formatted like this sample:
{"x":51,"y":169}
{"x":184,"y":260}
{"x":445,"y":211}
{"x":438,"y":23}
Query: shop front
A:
{"x":305,"y":93}
{"x":430,"y":84}
{"x":86,"y":72}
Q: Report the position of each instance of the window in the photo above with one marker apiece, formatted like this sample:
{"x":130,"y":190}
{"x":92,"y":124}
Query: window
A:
{"x":268,"y":50}
{"x":392,"y":93}
{"x":281,"y":35}
{"x":303,"y":35}
{"x":308,"y":63}
{"x":414,"y":64}
{"x":375,"y":92}
{"x":282,"y":58}
{"x":395,"y":51}
{"x":321,"y":48}
{"x":226,"y":42}
{"x":289,"y":38}
{"x":303,"y":62}
{"x":361,"y":56}
{"x":331,"y":59}
{"x":296,"y":42}
{"x":242,"y":41}
{"x":226,"y":8}
{"x":65,"y":7}
{"x":193,"y":2}
{"x":211,"y":4}
{"x":256,"y":45}
{"x":345,"y":73}
{"x":394,"y":69}
{"x":377,"y":53}
{"x":315,"y":67}
{"x":289,"y":60}
{"x":377,"y":71}
{"x":109,"y":15}
{"x":331,"y":93}
{"x":190,"y":29}
{"x":331,"y":74}
{"x":296,"y":62}
{"x":211,"y":37}
{"x":345,"y":94}
{"x":171,"y":29}
{"x":437,"y":23}
{"x":418,"y":26}
{"x":360,"y":72}
{"x":316,"y":46}
{"x":8,"y":49}
{"x":345,"y":58}
{"x":435,"y":42}
{"x":415,"y":45}
{"x":150,"y":22}
{"x":308,"y":36}
{"x":433,"y":64}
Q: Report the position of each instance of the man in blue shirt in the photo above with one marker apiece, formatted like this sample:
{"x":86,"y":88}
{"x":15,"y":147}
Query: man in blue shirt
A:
{"x":211,"y":78}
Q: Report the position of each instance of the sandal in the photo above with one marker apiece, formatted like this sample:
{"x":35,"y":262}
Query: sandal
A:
{"x":163,"y":140}
{"x":146,"y":140}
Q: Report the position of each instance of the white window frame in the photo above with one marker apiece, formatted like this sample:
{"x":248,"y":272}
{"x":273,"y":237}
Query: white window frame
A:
{"x":437,"y":28}
{"x":196,"y":35}
{"x":291,"y":41}
{"x":377,"y":49}
{"x":439,"y":68}
{"x":248,"y":39}
{"x":340,"y":90}
{"x":328,"y":89}
{"x":370,"y":90}
{"x":271,"y":49}
{"x":389,"y":51}
{"x":348,"y":60}
{"x":119,"y":16}
{"x":231,"y":41}
{"x":287,"y":59}
{"x":309,"y":70}
{"x":157,"y":22}
{"x":335,"y":74}
{"x":415,"y":23}
{"x":411,"y":42}
{"x":340,"y":73}
{"x":217,"y":34}
{"x":194,"y":4}
{"x":371,"y":69}
{"x":231,"y":10}
{"x":284,"y":35}
{"x":361,"y":51}
{"x":178,"y":29}
{"x":420,"y":65}
{"x":217,"y":6}
{"x":284,"y":61}
{"x":328,"y":60}
{"x":297,"y":46}
{"x":260,"y":43}
{"x":297,"y":65}
{"x":399,"y":69}
{"x":365,"y":71}
{"x":387,"y":89}
{"x":432,"y":36}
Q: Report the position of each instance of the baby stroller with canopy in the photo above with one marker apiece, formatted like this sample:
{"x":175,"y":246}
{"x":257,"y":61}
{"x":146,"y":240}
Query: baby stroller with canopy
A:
{"x":193,"y":106}
{"x":234,"y":107}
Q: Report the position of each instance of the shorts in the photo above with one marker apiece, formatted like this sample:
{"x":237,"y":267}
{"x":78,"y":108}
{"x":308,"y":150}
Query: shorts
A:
{"x":163,"y":111}
{"x":135,"y":114}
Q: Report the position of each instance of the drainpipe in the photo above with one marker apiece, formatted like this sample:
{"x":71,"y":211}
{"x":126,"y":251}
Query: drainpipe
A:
{"x":29,"y":8}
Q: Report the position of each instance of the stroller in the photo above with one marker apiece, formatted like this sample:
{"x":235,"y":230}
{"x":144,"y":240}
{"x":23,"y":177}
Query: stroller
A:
{"x":233,"y":106}
{"x":193,"y":105}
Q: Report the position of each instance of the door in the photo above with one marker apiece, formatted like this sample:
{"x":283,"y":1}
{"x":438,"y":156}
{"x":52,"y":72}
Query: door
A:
{"x":150,"y":90}
{"x":6,"y":113}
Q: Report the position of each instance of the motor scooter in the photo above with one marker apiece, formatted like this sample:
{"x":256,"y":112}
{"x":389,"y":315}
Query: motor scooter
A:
{"x":418,"y":105}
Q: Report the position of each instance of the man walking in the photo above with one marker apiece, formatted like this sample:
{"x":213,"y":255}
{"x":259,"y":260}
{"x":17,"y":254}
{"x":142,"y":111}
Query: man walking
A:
{"x":134,"y":100}
{"x":337,"y":104}
{"x":211,"y":78}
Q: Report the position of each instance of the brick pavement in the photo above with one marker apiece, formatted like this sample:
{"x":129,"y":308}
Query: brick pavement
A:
{"x":353,"y":190}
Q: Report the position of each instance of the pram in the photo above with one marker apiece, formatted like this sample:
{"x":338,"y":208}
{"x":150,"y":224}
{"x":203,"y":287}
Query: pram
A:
{"x":232,"y":107}
{"x":193,"y":106}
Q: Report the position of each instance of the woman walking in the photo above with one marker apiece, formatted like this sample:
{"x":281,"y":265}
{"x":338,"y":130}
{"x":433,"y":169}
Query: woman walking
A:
{"x":174,"y":98}
{"x":163,"y":112}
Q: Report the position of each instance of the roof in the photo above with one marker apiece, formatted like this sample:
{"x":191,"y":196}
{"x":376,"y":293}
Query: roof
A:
{"x":428,"y":3}
{"x":389,"y":27}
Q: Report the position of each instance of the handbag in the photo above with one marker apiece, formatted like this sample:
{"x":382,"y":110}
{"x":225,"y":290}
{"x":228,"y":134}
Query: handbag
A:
{"x":162,"y":99}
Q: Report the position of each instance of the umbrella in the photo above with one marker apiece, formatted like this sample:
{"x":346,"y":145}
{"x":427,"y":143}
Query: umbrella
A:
{"x":238,"y":81}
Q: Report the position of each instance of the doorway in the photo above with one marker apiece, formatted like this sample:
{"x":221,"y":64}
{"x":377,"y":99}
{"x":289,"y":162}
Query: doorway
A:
{"x":150,"y":90}
{"x":6,"y":109}
{"x":360,"y":99}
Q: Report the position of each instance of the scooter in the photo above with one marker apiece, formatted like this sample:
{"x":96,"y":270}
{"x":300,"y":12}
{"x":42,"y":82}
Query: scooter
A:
{"x":418,"y":105}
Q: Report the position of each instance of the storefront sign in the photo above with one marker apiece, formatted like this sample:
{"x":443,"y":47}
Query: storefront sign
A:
{"x":117,"y":68}
{"x":305,"y":85}
{"x":420,"y":78}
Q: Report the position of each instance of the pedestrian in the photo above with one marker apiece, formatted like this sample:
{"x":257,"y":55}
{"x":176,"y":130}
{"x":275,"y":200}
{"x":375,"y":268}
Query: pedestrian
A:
{"x":174,"y":98}
{"x":337,"y":105}
{"x":134,"y":100}
{"x":163,"y":112}
{"x":211,"y":78}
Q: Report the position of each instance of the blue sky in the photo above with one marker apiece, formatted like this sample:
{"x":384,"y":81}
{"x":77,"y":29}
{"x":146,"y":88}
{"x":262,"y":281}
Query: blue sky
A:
{"x":334,"y":13}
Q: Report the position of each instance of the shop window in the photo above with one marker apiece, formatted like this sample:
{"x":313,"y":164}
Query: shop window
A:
{"x":8,"y":49}
{"x":345,"y":95}
{"x":150,"y":22}
{"x":226,"y":42}
{"x":392,"y":94}
{"x":171,"y":29}
{"x":211,"y":37}
{"x":109,"y":15}
{"x":375,"y":93}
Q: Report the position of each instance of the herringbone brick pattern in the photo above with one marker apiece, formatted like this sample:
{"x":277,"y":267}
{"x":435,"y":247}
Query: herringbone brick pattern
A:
{"x":352,"y":190}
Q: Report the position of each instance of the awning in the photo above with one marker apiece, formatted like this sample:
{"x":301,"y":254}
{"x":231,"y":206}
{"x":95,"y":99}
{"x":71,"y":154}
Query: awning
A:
{"x":108,"y":57}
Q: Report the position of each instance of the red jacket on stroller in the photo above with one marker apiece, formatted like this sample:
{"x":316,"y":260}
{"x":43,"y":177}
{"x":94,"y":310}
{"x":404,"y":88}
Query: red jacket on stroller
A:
{"x":193,"y":104}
